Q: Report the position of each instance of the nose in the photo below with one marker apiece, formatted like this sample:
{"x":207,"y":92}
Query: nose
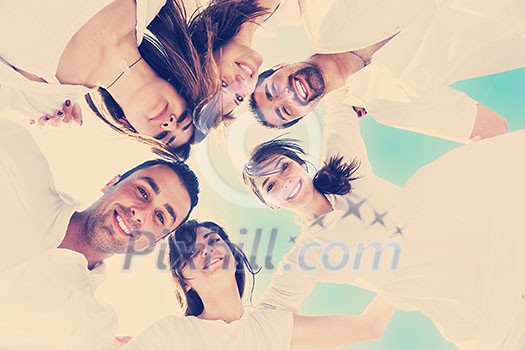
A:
{"x":138,"y":215}
{"x":168,"y":122}
{"x":286,"y":95}
{"x":207,"y":250}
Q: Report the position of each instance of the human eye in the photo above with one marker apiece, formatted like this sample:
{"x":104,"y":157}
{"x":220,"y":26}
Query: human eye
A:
{"x":214,"y":240}
{"x":194,"y":253}
{"x":224,"y":84}
{"x":270,"y":187}
{"x":182,"y":117}
{"x":162,"y":135}
{"x":143,"y":193}
{"x":239,"y":98}
{"x":160,"y":217}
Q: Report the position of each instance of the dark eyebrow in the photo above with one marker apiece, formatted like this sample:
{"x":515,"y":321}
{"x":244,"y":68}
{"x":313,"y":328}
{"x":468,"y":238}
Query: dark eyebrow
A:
{"x":268,"y":94}
{"x":170,"y":210}
{"x":156,"y":189}
{"x":277,"y":162}
{"x":171,"y":140}
{"x":279,"y":114}
{"x":208,"y":234}
{"x":152,"y":184}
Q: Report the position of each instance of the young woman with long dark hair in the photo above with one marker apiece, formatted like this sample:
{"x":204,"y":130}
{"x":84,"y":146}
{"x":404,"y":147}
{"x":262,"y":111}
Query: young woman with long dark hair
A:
{"x":150,"y":81}
{"x":223,"y":33}
{"x":209,"y":272}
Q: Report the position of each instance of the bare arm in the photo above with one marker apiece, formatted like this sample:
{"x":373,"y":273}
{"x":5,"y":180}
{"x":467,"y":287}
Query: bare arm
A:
{"x":488,"y":123}
{"x":333,"y":331}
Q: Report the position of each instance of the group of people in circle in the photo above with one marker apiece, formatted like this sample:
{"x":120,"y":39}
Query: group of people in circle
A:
{"x":166,"y":74}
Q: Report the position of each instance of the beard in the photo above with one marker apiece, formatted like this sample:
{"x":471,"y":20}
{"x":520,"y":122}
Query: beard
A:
{"x":100,"y":235}
{"x":313,"y":76}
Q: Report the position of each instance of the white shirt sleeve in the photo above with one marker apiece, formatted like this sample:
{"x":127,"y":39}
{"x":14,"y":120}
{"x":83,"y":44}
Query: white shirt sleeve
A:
{"x":440,"y":111}
{"x":342,"y":134}
{"x":33,"y":98}
{"x":294,"y":279}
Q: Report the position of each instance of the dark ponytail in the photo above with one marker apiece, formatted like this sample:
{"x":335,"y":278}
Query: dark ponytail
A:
{"x":336,"y":177}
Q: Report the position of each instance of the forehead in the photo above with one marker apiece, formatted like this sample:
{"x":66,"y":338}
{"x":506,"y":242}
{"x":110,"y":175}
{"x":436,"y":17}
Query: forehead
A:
{"x":202,"y":233}
{"x":270,"y":167}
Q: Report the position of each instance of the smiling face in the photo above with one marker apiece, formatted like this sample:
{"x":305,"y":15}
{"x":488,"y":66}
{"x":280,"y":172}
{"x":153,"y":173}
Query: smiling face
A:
{"x":284,"y":183}
{"x":156,"y":109}
{"x":211,"y":261}
{"x":291,"y":92}
{"x":239,"y":67}
{"x":138,"y":211}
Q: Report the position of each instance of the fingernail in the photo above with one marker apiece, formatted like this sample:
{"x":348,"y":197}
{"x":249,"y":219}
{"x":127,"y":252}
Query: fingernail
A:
{"x":60,"y":113}
{"x":68,"y":102}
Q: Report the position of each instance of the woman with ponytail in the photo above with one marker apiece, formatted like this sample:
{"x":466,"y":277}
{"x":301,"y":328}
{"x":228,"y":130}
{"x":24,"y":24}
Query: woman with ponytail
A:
{"x":449,"y":244}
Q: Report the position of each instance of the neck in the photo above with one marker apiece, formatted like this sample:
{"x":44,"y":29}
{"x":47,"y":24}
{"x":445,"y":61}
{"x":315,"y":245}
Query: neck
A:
{"x":222,"y":303}
{"x":75,"y":239}
{"x":124,"y":89}
{"x":319,"y":205}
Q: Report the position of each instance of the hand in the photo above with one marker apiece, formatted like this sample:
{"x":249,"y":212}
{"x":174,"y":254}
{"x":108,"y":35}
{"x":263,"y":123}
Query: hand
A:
{"x":118,"y":342}
{"x":68,"y":113}
{"x":360,"y":111}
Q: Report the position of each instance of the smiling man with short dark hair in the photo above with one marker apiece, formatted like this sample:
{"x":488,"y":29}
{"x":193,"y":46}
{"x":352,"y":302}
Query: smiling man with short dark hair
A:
{"x":396,"y":60}
{"x":51,"y":259}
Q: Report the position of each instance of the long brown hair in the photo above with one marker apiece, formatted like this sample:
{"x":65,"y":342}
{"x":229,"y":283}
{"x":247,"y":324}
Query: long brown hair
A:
{"x":210,"y":29}
{"x":168,"y":49}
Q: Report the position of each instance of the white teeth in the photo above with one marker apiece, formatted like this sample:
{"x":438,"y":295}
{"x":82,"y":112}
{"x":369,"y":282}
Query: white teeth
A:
{"x":211,"y":262}
{"x":123,"y":225}
{"x":246,"y":69}
{"x":295,"y":190}
{"x":300,"y":88}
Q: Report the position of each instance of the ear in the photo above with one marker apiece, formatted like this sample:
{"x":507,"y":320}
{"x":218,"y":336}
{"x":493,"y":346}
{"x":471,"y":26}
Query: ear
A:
{"x":110,"y":183}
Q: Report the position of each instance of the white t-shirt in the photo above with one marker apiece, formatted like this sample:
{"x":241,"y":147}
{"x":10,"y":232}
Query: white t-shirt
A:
{"x":47,"y":294}
{"x":255,"y":330}
{"x":49,"y":303}
{"x":34,"y":35}
{"x":457,"y":228}
{"x":439,"y":43}
{"x":34,"y":214}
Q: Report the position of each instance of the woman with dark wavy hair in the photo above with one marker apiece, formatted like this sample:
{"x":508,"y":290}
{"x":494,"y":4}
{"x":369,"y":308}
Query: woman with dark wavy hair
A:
{"x":209,"y":274}
{"x":149,"y":80}
{"x":449,"y":244}
{"x":222,"y":33}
